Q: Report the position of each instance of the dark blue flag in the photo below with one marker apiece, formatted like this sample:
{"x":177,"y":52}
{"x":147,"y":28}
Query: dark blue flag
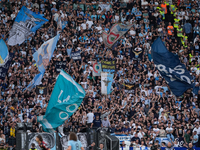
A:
{"x":170,"y":67}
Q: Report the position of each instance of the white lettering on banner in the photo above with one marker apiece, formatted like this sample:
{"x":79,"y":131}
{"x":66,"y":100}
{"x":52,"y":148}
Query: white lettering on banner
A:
{"x":65,"y":100}
{"x":65,"y":118}
{"x":124,"y":138}
{"x":68,"y":110}
{"x":72,"y":111}
{"x":178,"y":69}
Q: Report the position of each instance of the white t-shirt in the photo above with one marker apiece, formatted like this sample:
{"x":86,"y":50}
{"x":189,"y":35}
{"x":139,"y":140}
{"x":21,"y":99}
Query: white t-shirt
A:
{"x":83,"y":25}
{"x":90,"y":23}
{"x":156,"y":129}
{"x":196,"y":129}
{"x":169,"y":129}
{"x":90,"y":117}
{"x":132,"y":32}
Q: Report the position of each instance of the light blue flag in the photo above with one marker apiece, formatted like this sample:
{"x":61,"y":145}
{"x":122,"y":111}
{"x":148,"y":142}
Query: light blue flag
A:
{"x":36,"y":81}
{"x":44,"y":53}
{"x":65,"y":99}
{"x":4,"y":54}
{"x":26,"y":23}
{"x":106,"y":82}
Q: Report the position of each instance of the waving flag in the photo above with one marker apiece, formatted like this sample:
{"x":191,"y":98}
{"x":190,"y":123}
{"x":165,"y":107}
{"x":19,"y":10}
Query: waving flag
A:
{"x":106,"y":82}
{"x":36,"y":81}
{"x":5,"y":59}
{"x":116,"y":32}
{"x":26,"y":23}
{"x":44,"y":53}
{"x":65,"y":99}
{"x":170,"y":67}
{"x":4,"y":54}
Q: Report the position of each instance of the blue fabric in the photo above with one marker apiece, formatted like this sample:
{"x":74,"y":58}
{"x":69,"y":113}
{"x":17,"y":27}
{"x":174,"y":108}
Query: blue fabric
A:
{"x":5,"y":66}
{"x":21,"y":16}
{"x":65,"y":99}
{"x":26,"y":23}
{"x":3,"y":52}
{"x":36,"y":81}
{"x":44,"y":53}
{"x":170,"y":67}
{"x":170,"y":136}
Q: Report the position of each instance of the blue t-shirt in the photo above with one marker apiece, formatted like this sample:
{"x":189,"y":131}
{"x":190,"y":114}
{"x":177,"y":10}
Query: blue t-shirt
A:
{"x":75,"y":145}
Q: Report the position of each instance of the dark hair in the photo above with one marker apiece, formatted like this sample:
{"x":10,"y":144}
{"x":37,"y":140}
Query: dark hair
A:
{"x":72,"y":136}
{"x":33,"y":145}
{"x":40,"y":138}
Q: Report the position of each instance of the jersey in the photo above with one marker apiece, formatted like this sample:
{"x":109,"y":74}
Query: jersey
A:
{"x":75,"y":145}
{"x":43,"y":146}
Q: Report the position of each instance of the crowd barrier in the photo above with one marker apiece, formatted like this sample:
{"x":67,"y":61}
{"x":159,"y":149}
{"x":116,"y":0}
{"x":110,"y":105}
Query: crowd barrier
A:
{"x":181,"y":148}
{"x":162,"y":148}
{"x":127,"y":140}
{"x":58,"y":141}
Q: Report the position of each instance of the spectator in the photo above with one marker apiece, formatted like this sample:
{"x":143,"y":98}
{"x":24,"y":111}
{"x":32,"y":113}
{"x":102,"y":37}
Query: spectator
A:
{"x":169,"y":131}
{"x":106,"y":122}
{"x":12,"y":136}
{"x":126,"y":130}
{"x":149,"y":102}
{"x":187,"y":137}
{"x":90,"y":118}
{"x":169,"y":146}
{"x":195,"y":138}
{"x":101,"y":147}
{"x":190,"y":147}
{"x":96,"y":122}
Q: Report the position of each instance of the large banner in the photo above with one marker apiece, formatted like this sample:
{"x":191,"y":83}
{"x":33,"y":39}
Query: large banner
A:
{"x":108,"y":66}
{"x":65,"y":99}
{"x":82,"y":137}
{"x":25,"y":25}
{"x":48,"y":138}
{"x":106,"y":82}
{"x":76,"y":55}
{"x":170,"y":67}
{"x":116,"y":32}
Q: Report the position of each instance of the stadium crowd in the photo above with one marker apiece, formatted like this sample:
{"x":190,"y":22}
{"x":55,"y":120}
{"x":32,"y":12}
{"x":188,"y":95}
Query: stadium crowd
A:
{"x":150,"y":111}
